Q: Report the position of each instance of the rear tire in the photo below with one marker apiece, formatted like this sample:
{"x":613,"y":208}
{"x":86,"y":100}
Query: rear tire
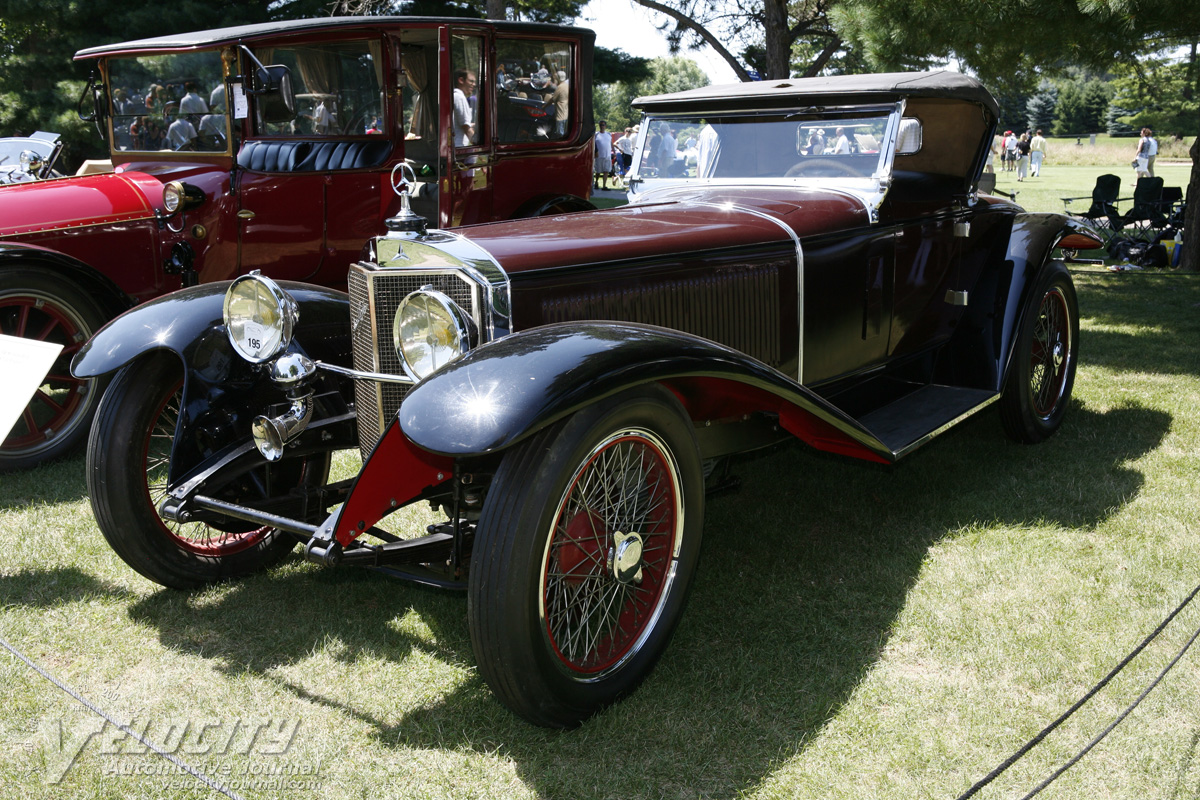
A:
{"x":1042,"y":371}
{"x":37,"y":305}
{"x":127,"y":461}
{"x":583,"y":556}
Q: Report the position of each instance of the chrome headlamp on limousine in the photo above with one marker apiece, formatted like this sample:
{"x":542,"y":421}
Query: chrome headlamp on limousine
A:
{"x":418,"y":301}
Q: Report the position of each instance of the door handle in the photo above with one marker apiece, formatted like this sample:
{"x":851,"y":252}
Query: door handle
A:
{"x":245,"y":213}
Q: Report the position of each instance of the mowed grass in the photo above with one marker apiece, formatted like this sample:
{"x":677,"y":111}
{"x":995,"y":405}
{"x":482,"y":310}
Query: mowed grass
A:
{"x":853,"y":632}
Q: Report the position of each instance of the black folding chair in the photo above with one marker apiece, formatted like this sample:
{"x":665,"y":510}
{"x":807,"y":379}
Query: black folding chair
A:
{"x":1173,"y":205}
{"x":1146,"y":216}
{"x":1102,"y":214}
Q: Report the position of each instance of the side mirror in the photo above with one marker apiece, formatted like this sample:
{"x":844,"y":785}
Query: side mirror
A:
{"x":276,"y":98}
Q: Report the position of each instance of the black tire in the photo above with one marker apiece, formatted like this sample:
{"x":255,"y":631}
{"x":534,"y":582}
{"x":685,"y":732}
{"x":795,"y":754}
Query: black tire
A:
{"x":126,"y":477}
{"x":1042,"y":371}
{"x":538,"y":553}
{"x":35,"y":304}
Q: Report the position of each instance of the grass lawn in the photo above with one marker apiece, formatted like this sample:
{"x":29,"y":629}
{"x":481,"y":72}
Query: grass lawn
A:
{"x":854,"y":631}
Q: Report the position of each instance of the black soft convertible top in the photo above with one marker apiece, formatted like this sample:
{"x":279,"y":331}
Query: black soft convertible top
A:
{"x":856,"y":88}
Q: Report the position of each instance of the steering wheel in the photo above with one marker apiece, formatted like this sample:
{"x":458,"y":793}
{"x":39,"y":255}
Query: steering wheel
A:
{"x":820,"y":165}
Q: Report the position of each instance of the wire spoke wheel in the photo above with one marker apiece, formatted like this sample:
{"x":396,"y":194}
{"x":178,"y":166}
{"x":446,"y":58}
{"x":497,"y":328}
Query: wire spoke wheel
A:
{"x":583,"y":554}
{"x":196,"y":537}
{"x":1037,"y":388}
{"x":37,"y":307}
{"x":1051,"y":345}
{"x":607,"y":563}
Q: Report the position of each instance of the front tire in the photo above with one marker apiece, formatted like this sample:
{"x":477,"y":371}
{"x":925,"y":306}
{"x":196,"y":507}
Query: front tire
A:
{"x":37,"y":305}
{"x":127,"y":460}
{"x":584,"y":552}
{"x":1042,"y":372}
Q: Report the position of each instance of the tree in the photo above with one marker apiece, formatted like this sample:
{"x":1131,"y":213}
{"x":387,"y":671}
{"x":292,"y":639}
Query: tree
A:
{"x":1158,"y":92}
{"x":612,"y":102}
{"x":1040,"y":107}
{"x":768,"y":29}
{"x":1029,"y":41}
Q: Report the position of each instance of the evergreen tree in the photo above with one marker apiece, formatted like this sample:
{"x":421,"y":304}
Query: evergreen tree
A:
{"x":1115,"y":123}
{"x":1040,"y":108}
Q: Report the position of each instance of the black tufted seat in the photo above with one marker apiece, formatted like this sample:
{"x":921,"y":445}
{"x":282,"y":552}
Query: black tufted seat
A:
{"x":324,"y":155}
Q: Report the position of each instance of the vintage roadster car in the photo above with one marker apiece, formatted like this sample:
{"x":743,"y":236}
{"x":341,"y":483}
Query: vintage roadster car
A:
{"x":563,"y":389}
{"x":269,"y":147}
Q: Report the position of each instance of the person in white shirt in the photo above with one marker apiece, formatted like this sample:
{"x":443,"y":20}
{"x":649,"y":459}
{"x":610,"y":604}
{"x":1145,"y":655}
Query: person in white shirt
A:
{"x":842,"y":144}
{"x":192,"y":103}
{"x":1151,"y":152}
{"x":464,"y":121}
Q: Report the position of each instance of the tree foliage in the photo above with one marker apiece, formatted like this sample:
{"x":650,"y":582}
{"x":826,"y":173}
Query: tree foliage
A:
{"x":764,"y":33}
{"x":612,"y":102}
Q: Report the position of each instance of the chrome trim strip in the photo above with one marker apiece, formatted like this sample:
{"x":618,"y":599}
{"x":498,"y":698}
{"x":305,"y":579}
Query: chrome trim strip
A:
{"x":380,"y":377}
{"x":799,"y":272}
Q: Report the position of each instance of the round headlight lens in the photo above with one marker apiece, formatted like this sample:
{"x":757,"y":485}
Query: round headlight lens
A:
{"x":172,"y":196}
{"x":259,"y":317}
{"x":429,"y":332}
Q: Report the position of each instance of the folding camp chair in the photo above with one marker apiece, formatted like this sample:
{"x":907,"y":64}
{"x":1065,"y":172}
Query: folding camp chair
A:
{"x":1173,"y":205}
{"x":1146,"y":216}
{"x":1102,"y":214}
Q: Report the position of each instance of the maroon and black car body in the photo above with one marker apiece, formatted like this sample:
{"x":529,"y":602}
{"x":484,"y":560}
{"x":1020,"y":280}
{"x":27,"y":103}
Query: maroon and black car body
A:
{"x":271,"y":147}
{"x":810,"y":261}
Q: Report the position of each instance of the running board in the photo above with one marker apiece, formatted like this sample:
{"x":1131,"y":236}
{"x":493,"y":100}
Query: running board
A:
{"x":911,"y":421}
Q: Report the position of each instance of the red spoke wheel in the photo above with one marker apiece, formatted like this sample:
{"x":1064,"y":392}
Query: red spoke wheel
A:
{"x":41,"y":307}
{"x":1041,"y":372}
{"x":127,"y":464}
{"x":583,"y":556}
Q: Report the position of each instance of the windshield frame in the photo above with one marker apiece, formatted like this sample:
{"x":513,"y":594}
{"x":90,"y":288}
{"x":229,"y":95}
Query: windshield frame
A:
{"x":871,"y":189}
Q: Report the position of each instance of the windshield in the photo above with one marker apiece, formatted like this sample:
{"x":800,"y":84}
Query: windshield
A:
{"x":169,"y":101}
{"x":835,"y":144}
{"x":11,"y":149}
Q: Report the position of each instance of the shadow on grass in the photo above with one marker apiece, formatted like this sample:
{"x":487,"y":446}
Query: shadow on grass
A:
{"x":47,"y":588}
{"x":803,"y":573}
{"x":1151,"y":321}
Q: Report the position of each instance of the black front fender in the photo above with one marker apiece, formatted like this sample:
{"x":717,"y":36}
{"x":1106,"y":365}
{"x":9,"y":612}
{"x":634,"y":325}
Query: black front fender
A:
{"x":507,"y":390}
{"x":222,"y":391}
{"x":190,"y":324}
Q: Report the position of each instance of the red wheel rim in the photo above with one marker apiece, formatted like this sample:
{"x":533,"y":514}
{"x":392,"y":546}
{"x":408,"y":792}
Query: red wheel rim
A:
{"x":196,"y":537}
{"x":610,"y":559}
{"x":1049,"y":358}
{"x":57,"y":402}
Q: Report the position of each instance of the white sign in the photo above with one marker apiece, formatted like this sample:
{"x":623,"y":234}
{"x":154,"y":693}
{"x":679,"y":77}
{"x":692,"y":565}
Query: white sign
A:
{"x":241,"y":108}
{"x":24,"y":364}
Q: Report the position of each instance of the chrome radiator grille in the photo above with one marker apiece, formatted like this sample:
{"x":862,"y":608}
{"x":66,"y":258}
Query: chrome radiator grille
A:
{"x":375,"y":295}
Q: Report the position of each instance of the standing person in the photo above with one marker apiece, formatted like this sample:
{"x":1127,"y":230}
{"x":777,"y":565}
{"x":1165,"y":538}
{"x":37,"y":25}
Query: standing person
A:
{"x":1152,"y":152}
{"x":666,"y":151}
{"x":562,"y":105}
{"x":1023,"y":150}
{"x":1141,"y":158}
{"x":841,"y":144}
{"x":1037,"y":152}
{"x":192,"y":102}
{"x":625,"y":151}
{"x":464,"y":121}
{"x":1010,"y":148}
{"x":602,"y":166}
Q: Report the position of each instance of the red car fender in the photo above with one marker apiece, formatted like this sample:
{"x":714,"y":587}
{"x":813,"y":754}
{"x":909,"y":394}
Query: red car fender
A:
{"x":396,"y":473}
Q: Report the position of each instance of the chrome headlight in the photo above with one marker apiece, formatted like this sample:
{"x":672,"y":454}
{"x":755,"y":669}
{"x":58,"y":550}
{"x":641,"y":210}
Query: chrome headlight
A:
{"x":430,"y":330}
{"x":31,"y":162}
{"x":259,"y":317}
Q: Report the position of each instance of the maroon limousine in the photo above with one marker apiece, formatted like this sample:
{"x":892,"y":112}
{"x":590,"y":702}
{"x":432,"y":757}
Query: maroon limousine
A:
{"x":270,"y":147}
{"x":810,"y":261}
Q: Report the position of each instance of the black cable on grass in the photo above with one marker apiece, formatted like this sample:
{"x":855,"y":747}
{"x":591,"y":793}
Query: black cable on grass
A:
{"x":195,"y":773}
{"x":1008,"y":762}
